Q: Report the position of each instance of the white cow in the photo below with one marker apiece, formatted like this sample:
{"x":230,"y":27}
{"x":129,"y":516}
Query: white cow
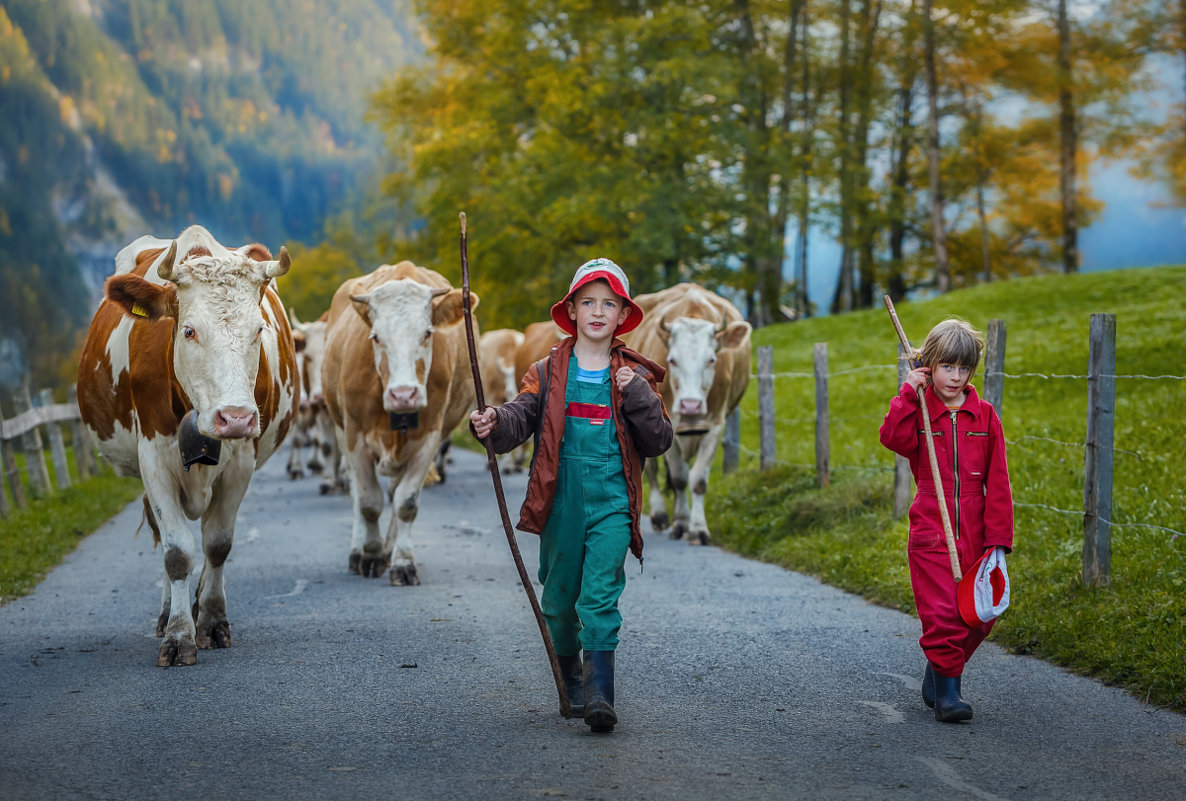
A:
{"x":314,"y":428}
{"x":705,"y":345}
{"x":188,"y":381}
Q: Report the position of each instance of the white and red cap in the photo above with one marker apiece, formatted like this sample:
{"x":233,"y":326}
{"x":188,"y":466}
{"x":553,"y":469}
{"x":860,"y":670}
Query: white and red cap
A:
{"x":983,"y":592}
{"x":618,"y":282}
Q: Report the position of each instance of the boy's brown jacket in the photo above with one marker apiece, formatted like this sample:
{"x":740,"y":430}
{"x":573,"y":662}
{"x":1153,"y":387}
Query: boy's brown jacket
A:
{"x":644,"y":429}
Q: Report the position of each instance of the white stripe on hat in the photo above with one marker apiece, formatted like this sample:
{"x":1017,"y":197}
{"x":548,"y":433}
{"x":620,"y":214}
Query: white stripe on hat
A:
{"x":600,"y":265}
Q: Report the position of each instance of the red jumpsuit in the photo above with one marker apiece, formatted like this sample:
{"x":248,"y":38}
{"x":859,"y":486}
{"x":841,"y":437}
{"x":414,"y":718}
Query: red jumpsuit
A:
{"x":970,"y":449}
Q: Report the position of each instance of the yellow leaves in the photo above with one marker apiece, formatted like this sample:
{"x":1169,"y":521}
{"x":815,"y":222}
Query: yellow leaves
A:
{"x":226,"y":186}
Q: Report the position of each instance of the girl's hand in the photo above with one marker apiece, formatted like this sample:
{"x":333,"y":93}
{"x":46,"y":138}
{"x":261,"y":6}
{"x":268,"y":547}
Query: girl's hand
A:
{"x":918,"y":377}
{"x":483,"y":422}
{"x":623,"y":377}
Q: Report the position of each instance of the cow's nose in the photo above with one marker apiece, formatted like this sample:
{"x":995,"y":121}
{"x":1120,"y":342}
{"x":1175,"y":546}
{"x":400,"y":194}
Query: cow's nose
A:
{"x":691,"y":406}
{"x":402,"y":399}
{"x":231,"y":422}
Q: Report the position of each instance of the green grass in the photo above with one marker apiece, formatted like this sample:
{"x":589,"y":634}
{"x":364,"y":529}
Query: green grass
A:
{"x":1131,"y":633}
{"x":35,"y":539}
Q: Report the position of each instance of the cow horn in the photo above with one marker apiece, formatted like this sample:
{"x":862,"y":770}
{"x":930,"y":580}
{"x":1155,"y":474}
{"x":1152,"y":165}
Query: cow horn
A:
{"x":165,"y":269}
{"x":720,"y":326}
{"x":277,"y":268}
{"x":365,"y":300}
{"x":436,"y":293}
{"x":664,"y":325}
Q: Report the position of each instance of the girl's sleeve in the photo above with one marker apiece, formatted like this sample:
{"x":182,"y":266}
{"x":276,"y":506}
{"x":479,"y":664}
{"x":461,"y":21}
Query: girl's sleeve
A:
{"x":998,"y":495}
{"x":646,"y":419}
{"x":516,"y":419}
{"x":899,"y":430}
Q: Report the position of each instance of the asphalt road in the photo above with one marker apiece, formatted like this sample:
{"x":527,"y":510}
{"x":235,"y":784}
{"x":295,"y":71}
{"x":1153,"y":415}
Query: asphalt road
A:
{"x":735,"y":680}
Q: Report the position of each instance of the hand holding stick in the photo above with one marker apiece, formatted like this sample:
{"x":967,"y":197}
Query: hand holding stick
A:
{"x":565,"y":702}
{"x":956,"y":573}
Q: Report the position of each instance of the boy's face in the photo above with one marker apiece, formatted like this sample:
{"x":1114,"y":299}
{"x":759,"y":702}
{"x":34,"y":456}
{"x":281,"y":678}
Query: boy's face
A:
{"x":597,"y":311}
{"x":949,"y":381}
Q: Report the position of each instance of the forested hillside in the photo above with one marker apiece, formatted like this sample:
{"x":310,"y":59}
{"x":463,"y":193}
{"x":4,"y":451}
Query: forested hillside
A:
{"x":123,"y":117}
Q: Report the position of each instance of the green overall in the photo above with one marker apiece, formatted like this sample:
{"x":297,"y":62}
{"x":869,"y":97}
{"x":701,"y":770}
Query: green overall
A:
{"x":583,"y":546}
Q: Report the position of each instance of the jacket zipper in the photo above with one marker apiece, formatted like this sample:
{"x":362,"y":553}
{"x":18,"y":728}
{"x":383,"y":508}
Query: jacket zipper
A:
{"x":955,"y":468}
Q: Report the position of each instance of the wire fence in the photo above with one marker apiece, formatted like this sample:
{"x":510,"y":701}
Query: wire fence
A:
{"x":1097,"y":444}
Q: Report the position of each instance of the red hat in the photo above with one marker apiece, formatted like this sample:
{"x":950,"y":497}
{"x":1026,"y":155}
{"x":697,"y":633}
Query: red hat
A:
{"x":618,"y":282}
{"x":983,"y":592}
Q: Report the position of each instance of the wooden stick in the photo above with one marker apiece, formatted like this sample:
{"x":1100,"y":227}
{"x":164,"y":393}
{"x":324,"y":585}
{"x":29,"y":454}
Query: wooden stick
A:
{"x":956,"y":573}
{"x":565,"y":701}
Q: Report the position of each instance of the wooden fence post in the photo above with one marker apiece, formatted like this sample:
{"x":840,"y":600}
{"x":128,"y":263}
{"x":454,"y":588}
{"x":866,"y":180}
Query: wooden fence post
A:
{"x":34,"y":455}
{"x":822,"y":456}
{"x":994,"y":364}
{"x":13,"y":473}
{"x":57,"y":445}
{"x":84,"y":456}
{"x":1097,"y":478}
{"x":766,"y":406}
{"x":731,"y":445}
{"x":902,"y":477}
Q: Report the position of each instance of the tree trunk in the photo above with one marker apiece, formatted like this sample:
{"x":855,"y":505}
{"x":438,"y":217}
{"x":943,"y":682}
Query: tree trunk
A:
{"x":982,"y":172}
{"x":842,"y":301}
{"x":1069,"y":141}
{"x":870,"y":18}
{"x":939,"y":234}
{"x":805,"y":169}
{"x":896,"y":282}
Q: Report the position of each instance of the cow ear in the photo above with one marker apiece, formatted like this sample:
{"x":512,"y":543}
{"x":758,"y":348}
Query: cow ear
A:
{"x":141,"y":298}
{"x":298,"y":340}
{"x":734,"y":334}
{"x":449,"y":309}
{"x":362,"y":305}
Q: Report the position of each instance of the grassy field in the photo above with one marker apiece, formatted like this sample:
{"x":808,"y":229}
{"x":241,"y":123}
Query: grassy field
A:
{"x":35,"y":539}
{"x":1131,"y":633}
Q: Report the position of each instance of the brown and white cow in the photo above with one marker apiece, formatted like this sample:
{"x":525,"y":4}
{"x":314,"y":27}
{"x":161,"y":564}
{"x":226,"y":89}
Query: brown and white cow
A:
{"x":313,"y":428}
{"x":705,"y":344}
{"x":395,"y":346}
{"x":500,"y":382}
{"x":190,"y":325}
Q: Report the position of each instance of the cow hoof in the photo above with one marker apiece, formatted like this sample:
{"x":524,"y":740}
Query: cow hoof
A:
{"x":216,"y":635}
{"x":698,"y":538}
{"x":677,"y":531}
{"x":162,"y":622}
{"x":327,"y":489}
{"x":355,"y":558}
{"x":315,"y":468}
{"x":296,"y":474}
{"x":404,"y":576}
{"x":177,"y":653}
{"x":659,"y":521}
{"x":373,"y":565}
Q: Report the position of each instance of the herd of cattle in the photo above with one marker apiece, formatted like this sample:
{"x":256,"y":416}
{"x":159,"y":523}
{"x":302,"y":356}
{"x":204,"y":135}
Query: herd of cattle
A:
{"x":192,"y":376}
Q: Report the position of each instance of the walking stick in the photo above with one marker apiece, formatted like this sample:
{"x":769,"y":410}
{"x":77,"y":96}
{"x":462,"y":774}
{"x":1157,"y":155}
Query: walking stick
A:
{"x":565,"y":702}
{"x":956,"y":573}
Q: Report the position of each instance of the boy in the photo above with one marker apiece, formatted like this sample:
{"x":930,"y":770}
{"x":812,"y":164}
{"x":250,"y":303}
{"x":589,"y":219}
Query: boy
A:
{"x":970,"y":449}
{"x":594,"y":411}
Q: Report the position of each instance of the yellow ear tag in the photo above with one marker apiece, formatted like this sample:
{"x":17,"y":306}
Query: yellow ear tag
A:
{"x":139,"y":310}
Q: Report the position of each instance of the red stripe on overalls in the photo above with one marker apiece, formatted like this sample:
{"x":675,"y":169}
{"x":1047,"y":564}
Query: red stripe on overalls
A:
{"x":595,"y":413}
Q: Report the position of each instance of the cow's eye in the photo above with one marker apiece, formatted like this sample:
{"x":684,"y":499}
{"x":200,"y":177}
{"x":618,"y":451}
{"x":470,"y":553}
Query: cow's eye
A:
{"x":428,"y":334}
{"x":189,"y":333}
{"x":671,"y":361}
{"x":259,"y":331}
{"x":712,"y":360}
{"x":375,"y":338}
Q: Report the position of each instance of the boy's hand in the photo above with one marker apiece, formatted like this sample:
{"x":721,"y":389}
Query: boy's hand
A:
{"x":623,"y":377}
{"x":483,"y":422}
{"x":917,"y":377}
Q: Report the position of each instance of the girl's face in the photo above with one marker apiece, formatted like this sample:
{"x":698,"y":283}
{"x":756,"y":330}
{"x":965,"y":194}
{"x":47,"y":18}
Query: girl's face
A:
{"x":949,"y":381}
{"x":597,"y":311}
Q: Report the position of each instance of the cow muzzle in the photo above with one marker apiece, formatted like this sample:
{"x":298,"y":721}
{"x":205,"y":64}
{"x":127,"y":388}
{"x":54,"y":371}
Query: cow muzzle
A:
{"x":235,"y":422}
{"x":403,"y":400}
{"x":691,"y":407}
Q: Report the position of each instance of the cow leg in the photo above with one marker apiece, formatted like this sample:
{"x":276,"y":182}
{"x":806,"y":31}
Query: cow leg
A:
{"x":658,"y":504}
{"x":368,"y":556}
{"x":316,"y":446}
{"x":335,"y":456}
{"x":405,"y":504}
{"x":178,"y":647}
{"x":211,"y":628}
{"x":698,"y":481}
{"x":677,"y":476}
{"x":295,"y":467}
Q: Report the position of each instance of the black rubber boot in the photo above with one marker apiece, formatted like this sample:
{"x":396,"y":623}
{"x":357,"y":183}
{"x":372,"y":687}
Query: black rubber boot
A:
{"x":928,"y":687}
{"x":574,"y":682}
{"x":949,"y":706}
{"x":599,"y":691}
